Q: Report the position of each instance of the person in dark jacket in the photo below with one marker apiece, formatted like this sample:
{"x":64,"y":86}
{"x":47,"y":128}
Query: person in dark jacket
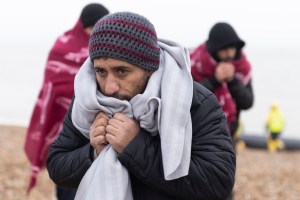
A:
{"x":221,"y":66}
{"x":129,"y":100}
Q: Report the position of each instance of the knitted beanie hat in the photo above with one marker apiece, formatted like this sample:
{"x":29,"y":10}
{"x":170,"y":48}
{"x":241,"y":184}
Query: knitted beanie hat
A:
{"x":91,"y":13}
{"x":222,"y":35}
{"x":125,"y":36}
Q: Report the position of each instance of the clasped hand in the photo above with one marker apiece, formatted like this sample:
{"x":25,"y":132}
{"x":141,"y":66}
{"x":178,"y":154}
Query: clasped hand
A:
{"x":224,"y":72}
{"x":119,"y":131}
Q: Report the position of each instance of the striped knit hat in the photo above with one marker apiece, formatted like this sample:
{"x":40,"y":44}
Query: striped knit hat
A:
{"x":125,"y":36}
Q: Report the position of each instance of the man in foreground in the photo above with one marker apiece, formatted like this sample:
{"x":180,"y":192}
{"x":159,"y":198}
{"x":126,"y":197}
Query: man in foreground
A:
{"x":138,"y":126}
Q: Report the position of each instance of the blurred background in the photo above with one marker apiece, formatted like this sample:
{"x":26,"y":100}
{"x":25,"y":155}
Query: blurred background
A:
{"x":269,"y":28}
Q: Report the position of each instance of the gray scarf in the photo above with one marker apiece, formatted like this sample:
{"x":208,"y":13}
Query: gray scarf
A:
{"x":163,"y":108}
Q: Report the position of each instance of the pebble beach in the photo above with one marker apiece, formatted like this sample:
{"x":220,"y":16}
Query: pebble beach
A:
{"x":259,"y":175}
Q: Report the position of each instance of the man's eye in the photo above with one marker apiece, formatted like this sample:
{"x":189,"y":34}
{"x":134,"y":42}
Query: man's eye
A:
{"x":122,"y":72}
{"x":101,"y":72}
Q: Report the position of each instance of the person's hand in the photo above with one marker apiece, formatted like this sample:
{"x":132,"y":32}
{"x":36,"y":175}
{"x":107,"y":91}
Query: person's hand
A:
{"x":224,"y":72}
{"x":120,"y":131}
{"x":97,"y":132}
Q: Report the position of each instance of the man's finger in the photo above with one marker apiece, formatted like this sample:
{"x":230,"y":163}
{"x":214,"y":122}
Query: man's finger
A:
{"x":111,"y":130}
{"x":115,"y":122}
{"x":120,"y":116}
{"x":99,"y":140}
{"x":100,"y":122}
{"x":110,"y":138}
{"x":98,"y":131}
{"x":102,"y":115}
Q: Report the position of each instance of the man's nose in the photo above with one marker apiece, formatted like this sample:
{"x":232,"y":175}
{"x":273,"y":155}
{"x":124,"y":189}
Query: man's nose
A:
{"x":111,"y":86}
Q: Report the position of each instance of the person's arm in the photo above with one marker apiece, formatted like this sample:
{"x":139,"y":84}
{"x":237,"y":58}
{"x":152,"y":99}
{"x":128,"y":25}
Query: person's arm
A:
{"x":212,"y":166}
{"x":242,"y":94}
{"x":70,"y":155}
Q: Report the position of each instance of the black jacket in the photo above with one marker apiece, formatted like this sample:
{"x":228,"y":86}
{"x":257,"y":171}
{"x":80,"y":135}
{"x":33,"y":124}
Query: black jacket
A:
{"x":242,"y":94}
{"x":212,"y":166}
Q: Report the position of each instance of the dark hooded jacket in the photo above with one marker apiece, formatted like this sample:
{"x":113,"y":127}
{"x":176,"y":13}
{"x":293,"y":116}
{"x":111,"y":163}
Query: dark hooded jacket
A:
{"x":212,"y":166}
{"x":222,"y":35}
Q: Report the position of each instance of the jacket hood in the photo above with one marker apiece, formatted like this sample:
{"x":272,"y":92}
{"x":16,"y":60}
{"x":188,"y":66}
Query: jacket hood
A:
{"x":223,"y":35}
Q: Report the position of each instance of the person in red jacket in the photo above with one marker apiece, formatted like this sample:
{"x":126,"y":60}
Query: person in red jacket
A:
{"x":65,"y":58}
{"x":221,"y":66}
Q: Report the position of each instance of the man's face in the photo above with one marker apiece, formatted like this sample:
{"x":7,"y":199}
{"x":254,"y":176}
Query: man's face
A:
{"x":227,"y":54}
{"x":88,"y":30}
{"x":120,"y":79}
